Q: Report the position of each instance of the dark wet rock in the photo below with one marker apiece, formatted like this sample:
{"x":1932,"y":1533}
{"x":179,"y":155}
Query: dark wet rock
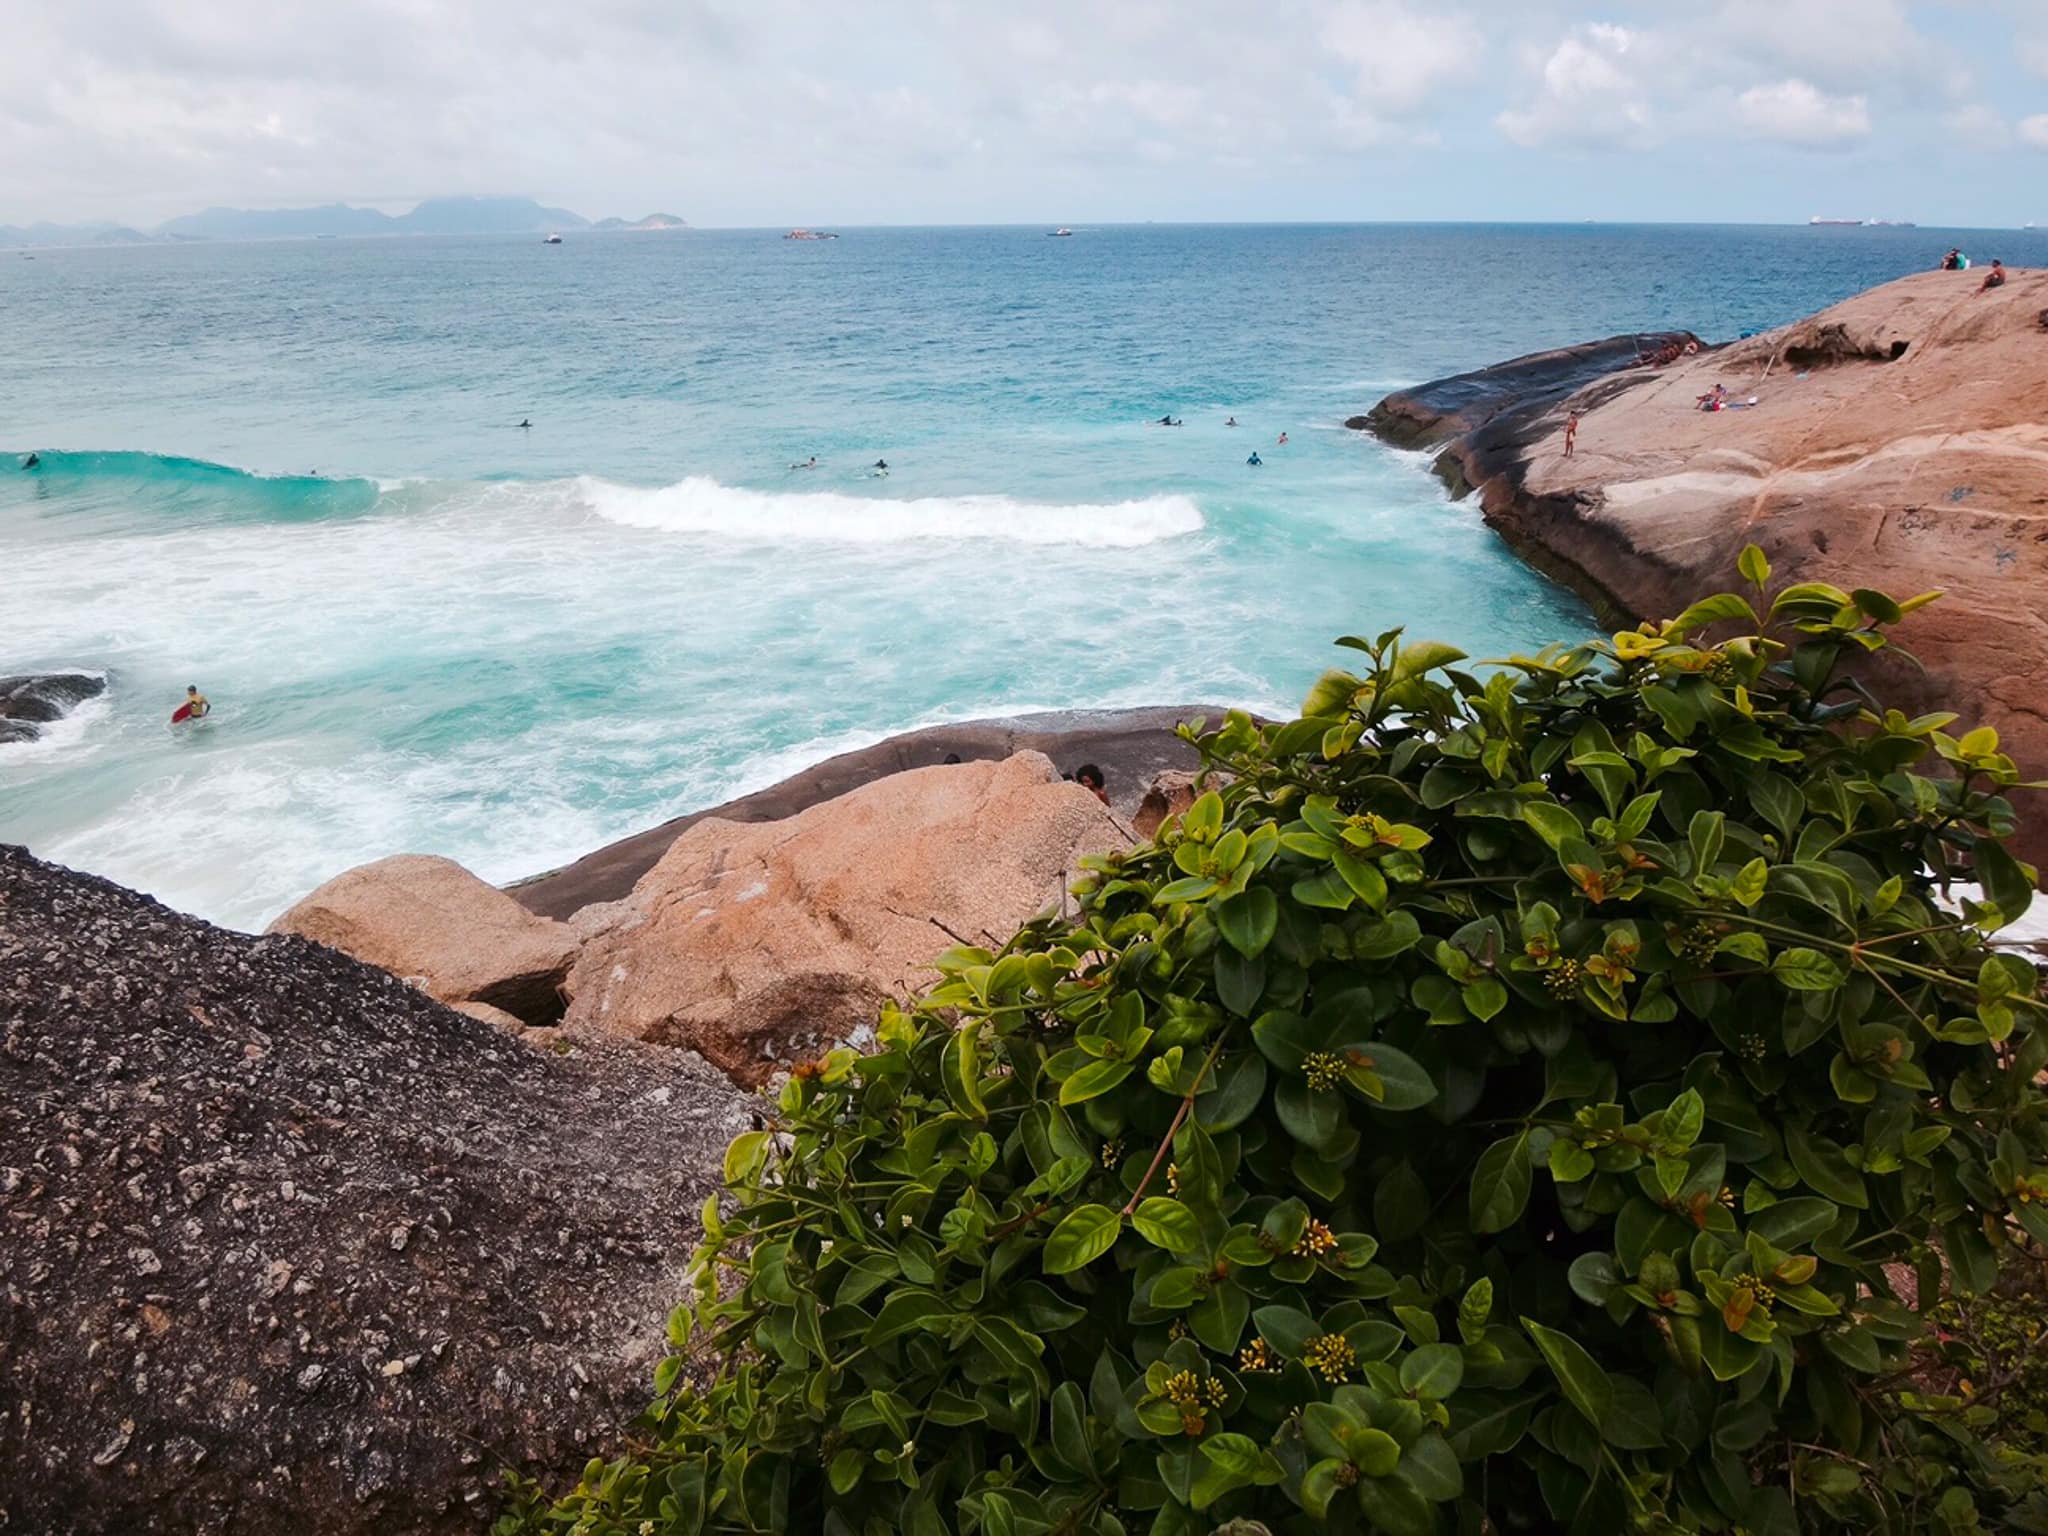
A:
{"x":28,"y":700}
{"x":286,"y":1245}
{"x":1432,"y":414}
{"x":1131,"y":746}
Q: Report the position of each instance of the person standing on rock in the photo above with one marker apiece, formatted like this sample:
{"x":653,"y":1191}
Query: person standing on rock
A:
{"x":1571,"y":434}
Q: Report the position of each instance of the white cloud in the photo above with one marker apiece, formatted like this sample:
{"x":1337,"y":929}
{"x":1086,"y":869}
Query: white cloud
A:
{"x":1400,"y":58}
{"x":1796,"y":112}
{"x":1976,"y":124}
{"x":2034,"y":131}
{"x":1592,"y":89}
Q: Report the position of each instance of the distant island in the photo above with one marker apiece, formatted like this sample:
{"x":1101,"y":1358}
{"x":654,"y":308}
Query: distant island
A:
{"x":435,"y":216}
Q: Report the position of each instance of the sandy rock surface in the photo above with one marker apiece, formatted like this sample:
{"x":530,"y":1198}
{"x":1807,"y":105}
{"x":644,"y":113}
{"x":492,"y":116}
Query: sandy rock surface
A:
{"x":287,"y":1246}
{"x":757,"y":943}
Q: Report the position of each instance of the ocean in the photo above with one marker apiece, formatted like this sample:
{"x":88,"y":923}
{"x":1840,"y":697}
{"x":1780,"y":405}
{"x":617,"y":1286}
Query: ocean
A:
{"x":293,"y":474}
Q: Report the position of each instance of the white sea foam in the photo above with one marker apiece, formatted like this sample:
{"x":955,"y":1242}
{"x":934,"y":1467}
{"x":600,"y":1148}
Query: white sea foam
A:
{"x":62,"y":737}
{"x":699,"y":505}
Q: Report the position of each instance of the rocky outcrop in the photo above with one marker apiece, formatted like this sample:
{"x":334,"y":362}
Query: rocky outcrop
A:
{"x":432,"y":921}
{"x":32,"y":700}
{"x":1432,"y":413}
{"x":756,"y":944}
{"x":1167,"y":796}
{"x":1129,"y":745}
{"x":285,"y":1245}
{"x":1899,"y":440}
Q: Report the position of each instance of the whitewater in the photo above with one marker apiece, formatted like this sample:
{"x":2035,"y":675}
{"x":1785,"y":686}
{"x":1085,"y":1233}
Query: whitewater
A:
{"x":293,"y":475}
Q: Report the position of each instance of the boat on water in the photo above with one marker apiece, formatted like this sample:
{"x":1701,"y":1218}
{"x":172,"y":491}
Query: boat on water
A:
{"x":1062,"y":233}
{"x":552,"y":239}
{"x":1836,"y":223}
{"x":810,"y":234}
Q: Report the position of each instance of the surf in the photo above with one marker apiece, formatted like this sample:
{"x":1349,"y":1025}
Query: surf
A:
{"x":702,"y":506}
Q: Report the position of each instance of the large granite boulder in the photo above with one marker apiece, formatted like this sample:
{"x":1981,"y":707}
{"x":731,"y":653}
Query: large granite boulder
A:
{"x":1899,"y":440}
{"x":29,"y":701}
{"x":1130,"y":746}
{"x":430,"y":920}
{"x":758,"y":943}
{"x":286,"y":1245}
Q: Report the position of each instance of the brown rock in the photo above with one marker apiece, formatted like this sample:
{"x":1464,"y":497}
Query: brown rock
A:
{"x":1169,"y":794}
{"x":1129,"y":745}
{"x":757,"y":943}
{"x":431,"y":920}
{"x":490,"y":1015}
{"x":1899,"y":441}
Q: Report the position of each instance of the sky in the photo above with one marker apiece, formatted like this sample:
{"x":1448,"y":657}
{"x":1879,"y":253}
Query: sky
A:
{"x":777,"y":112}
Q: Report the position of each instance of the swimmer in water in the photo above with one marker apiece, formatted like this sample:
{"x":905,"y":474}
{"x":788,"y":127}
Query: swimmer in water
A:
{"x":1255,"y":461}
{"x":882,"y":464}
{"x":32,"y":461}
{"x":1283,"y":439}
{"x":810,"y":463}
{"x":525,"y":423}
{"x":1231,"y":423}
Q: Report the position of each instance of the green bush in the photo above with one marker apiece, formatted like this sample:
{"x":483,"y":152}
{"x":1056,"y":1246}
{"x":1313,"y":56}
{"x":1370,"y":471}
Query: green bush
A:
{"x":1495,"y":1107}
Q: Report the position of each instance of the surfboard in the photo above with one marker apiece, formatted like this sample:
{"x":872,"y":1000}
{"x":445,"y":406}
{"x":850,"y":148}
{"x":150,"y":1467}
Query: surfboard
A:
{"x":181,"y":713}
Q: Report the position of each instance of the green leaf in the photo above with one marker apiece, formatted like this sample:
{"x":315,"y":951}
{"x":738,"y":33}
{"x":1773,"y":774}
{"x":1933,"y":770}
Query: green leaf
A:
{"x":1500,"y":1184}
{"x":1748,"y":885}
{"x":1553,"y":823}
{"x":1718,"y":609}
{"x":1807,"y":970}
{"x":1094,"y":1080}
{"x":904,"y":1311}
{"x":1364,"y":878}
{"x":1239,"y":1455}
{"x":1433,"y":1371}
{"x":1375,"y":1452}
{"x":1586,"y":1385}
{"x":1824,"y":1167}
{"x":1247,"y":920}
{"x":1403,"y":1083}
{"x":1084,"y":1235}
{"x":2005,"y":881}
{"x":1167,"y":1224}
{"x":1705,"y":836}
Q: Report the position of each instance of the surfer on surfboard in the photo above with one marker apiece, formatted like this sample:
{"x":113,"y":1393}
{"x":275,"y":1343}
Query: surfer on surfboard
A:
{"x":195,"y":707}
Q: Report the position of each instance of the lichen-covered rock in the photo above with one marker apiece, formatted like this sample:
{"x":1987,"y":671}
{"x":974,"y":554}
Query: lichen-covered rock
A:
{"x":757,"y":943}
{"x":286,"y":1245}
{"x":429,"y":919}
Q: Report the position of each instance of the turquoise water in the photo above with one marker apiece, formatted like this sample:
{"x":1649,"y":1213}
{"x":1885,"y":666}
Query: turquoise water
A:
{"x":426,"y":629}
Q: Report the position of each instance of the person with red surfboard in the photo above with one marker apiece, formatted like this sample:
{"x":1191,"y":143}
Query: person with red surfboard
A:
{"x":195,"y":706}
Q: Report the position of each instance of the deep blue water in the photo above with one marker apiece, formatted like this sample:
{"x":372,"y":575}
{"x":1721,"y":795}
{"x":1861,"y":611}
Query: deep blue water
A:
{"x":426,"y":628}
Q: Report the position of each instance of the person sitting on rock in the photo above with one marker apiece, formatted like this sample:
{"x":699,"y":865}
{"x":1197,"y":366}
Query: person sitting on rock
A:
{"x":1953,"y":261}
{"x":1995,"y":278}
{"x":1090,"y":778}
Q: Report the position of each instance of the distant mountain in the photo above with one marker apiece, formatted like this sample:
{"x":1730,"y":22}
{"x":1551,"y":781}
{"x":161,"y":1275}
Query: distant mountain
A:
{"x":435,"y":216}
{"x":279,"y":223}
{"x":652,"y":221}
{"x":16,"y":237}
{"x":484,"y":216}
